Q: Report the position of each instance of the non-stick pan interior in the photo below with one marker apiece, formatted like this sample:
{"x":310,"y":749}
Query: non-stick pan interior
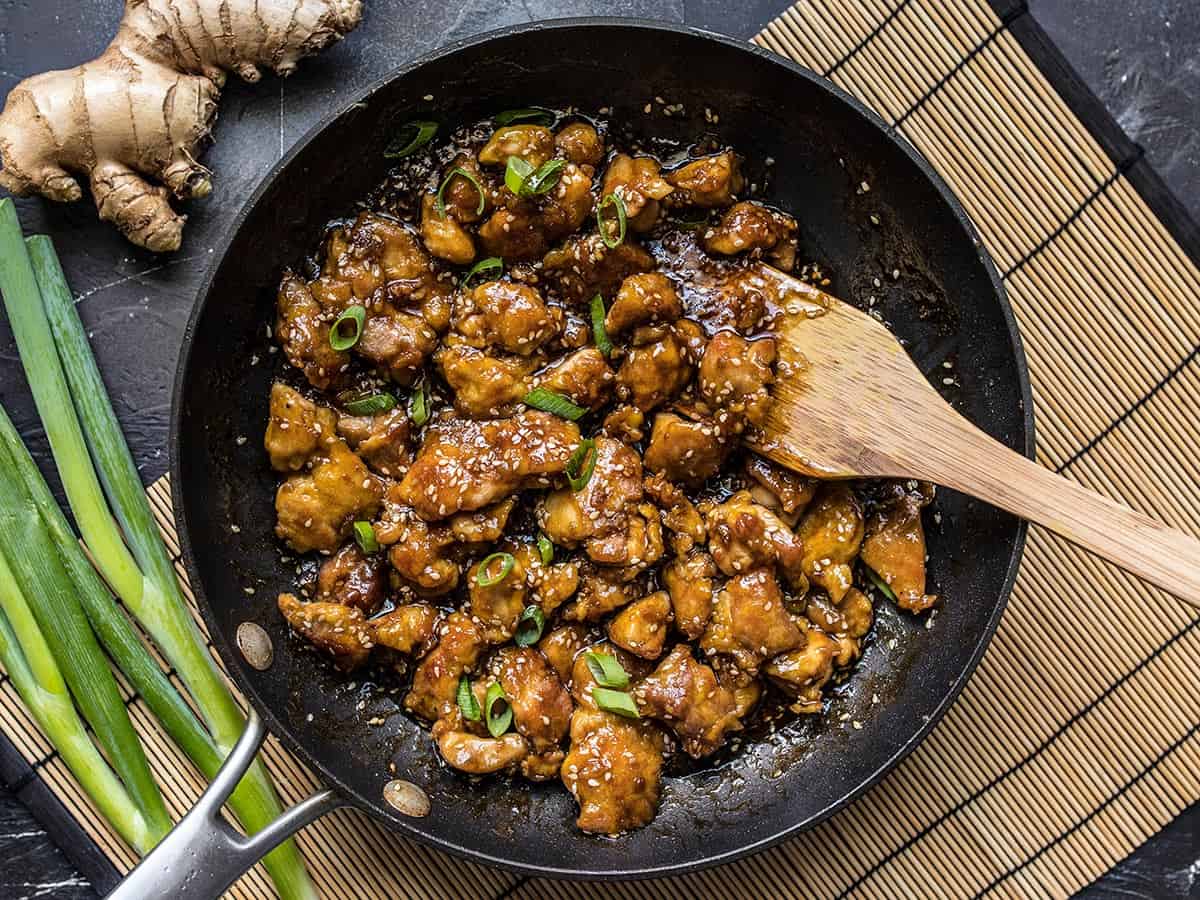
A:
{"x":827,"y":161}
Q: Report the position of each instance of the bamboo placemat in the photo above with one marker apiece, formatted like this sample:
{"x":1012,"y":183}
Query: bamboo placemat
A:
{"x":1076,"y":738}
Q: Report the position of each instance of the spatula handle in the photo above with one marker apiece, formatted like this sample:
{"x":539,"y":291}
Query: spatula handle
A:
{"x":978,"y":465}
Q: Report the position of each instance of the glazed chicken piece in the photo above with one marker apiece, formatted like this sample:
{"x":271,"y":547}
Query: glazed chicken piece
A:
{"x":645,"y":299}
{"x":583,"y":267}
{"x":484,"y":386}
{"x":583,"y":376}
{"x":832,"y":533}
{"x":744,"y":535}
{"x":315,"y":511}
{"x":461,"y":197}
{"x":541,"y":705}
{"x":338,"y":630}
{"x":710,"y":181}
{"x":852,"y":617}
{"x":750,"y":226}
{"x":351,"y":578}
{"x":524,"y":228}
{"x":614,"y":771}
{"x":656,"y":368}
{"x":297,"y":430}
{"x":302,"y":327}
{"x":689,"y":582}
{"x":533,"y":143}
{"x":580,"y":143}
{"x":381,"y":440}
{"x":750,"y":623}
{"x":396,"y":342}
{"x":561,"y":646}
{"x":601,"y":590}
{"x":482,"y":526}
{"x":625,"y":424}
{"x":679,"y":514}
{"x":496,"y":599}
{"x":422,"y":554}
{"x":686,"y":696}
{"x":894,"y":548}
{"x":735,"y":374}
{"x":506,"y":315}
{"x":785,"y":492}
{"x":683,"y":450}
{"x":642,"y":626}
{"x":465,"y":465}
{"x":435,"y":681}
{"x":443,"y":235}
{"x":804,"y":672}
{"x":639,"y":183}
{"x":550,"y":586}
{"x":410,"y":629}
{"x":476,"y":754}
{"x":635,"y":549}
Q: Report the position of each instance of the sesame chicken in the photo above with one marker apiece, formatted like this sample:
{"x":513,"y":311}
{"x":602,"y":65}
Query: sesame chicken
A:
{"x":686,"y":696}
{"x":784,"y":492}
{"x":684,"y":450}
{"x":460,"y":645}
{"x":757,"y":229}
{"x":614,"y":771}
{"x":541,"y":706}
{"x":504,"y":315}
{"x":410,"y":629}
{"x":640,"y":185}
{"x":297,"y":429}
{"x":495,"y":598}
{"x":584,"y":377}
{"x":832,"y":533}
{"x":303,"y":327}
{"x":803,"y":672}
{"x":561,"y":646}
{"x":315,"y":510}
{"x":745,"y":535}
{"x":750,"y":623}
{"x":711,"y":181}
{"x":656,"y":369}
{"x":584,"y":267}
{"x":642,"y":626}
{"x":581,"y":144}
{"x":532,"y":143}
{"x":352,"y":578}
{"x":381,"y":440}
{"x":894,"y":547}
{"x":484,"y":386}
{"x":443,"y":235}
{"x":690,"y":585}
{"x":645,"y":299}
{"x":338,"y":630}
{"x":735,"y":374}
{"x":474,"y":754}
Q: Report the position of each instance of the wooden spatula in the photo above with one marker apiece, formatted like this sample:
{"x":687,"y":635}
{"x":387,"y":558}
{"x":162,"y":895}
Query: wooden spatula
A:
{"x":849,"y":402}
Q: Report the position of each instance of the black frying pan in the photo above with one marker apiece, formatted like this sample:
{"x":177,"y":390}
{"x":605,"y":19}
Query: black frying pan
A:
{"x":947,"y":303}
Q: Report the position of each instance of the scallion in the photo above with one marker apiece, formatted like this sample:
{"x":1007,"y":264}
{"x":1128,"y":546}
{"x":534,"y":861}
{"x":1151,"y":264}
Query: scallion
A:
{"x":516,"y":171}
{"x":364,"y":536}
{"x":418,"y":406}
{"x":412,"y":137}
{"x":497,"y":710}
{"x":491,"y":267}
{"x":606,"y":669}
{"x":507,"y":561}
{"x":440,"y":201}
{"x":363,"y":403}
{"x":545,"y":549}
{"x":549,"y":401}
{"x":535,"y":115}
{"x":582,"y":463}
{"x":530,"y":626}
{"x":545,"y":178}
{"x":617,"y":702}
{"x":343,"y":338}
{"x":615,"y":201}
{"x":599,"y":332}
{"x":876,"y":579}
{"x":467,"y":703}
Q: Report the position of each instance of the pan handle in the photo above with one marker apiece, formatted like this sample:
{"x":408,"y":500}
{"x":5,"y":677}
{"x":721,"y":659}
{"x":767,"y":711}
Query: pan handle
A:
{"x":203,"y":855}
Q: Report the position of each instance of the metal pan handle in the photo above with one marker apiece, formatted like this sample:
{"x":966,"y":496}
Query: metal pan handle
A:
{"x":203,"y":855}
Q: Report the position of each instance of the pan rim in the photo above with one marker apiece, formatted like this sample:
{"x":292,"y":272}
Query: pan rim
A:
{"x":228,"y":651}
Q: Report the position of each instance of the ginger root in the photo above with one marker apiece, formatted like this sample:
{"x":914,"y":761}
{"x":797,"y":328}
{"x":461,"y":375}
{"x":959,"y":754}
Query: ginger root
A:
{"x":138,"y":113}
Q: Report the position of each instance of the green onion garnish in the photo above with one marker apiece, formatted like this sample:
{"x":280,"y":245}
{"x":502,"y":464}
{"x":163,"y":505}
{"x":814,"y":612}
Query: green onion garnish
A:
{"x":467,"y":703}
{"x":360,"y":403}
{"x":339,"y":337}
{"x":507,"y":561}
{"x":617,"y":702}
{"x":545,"y":178}
{"x":875,"y":579}
{"x":535,"y":114}
{"x":412,"y":137}
{"x":582,"y":463}
{"x":545,"y":549}
{"x":497,"y":721}
{"x":548,"y":401}
{"x":599,"y":332}
{"x":615,"y":201}
{"x":606,"y":669}
{"x":515,"y":173}
{"x":529,"y":626}
{"x":486,"y":268}
{"x":418,"y":407}
{"x":440,"y":202}
{"x":364,"y":534}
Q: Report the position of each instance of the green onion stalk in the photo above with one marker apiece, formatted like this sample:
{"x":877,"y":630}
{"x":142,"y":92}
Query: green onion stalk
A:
{"x":39,"y":682}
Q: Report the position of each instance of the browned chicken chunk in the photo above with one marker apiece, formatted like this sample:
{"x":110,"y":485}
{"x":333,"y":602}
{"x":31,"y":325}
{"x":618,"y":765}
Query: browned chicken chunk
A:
{"x":410,"y":629}
{"x":683,"y":450}
{"x":474,"y":754}
{"x":735,"y":374}
{"x":640,"y":185}
{"x":744,"y":535}
{"x":584,"y":377}
{"x":710,"y":181}
{"x":497,"y":590}
{"x":803,"y":672}
{"x":784,"y":491}
{"x":679,"y":514}
{"x":894,"y":548}
{"x":749,"y":226}
{"x":614,"y":771}
{"x":750,"y":623}
{"x":541,"y":705}
{"x":642,"y":626}
{"x":506,"y":315}
{"x":443,"y":235}
{"x":315,"y":511}
{"x":533,"y":143}
{"x":584,"y":267}
{"x":601,"y":590}
{"x":303,"y":329}
{"x":645,"y":299}
{"x":484,"y":386}
{"x":580,"y":143}
{"x":435,"y":680}
{"x":655,"y":370}
{"x":397,"y":342}
{"x":832,"y":532}
{"x":297,"y":430}
{"x":381,"y":440}
{"x":561,"y":646}
{"x":339,"y":630}
{"x":352,"y":578}
{"x":689,"y":582}
{"x":686,"y":695}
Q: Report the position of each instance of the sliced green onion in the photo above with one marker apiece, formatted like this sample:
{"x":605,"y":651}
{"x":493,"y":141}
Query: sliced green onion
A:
{"x":606,"y":669}
{"x":534,"y":114}
{"x":617,"y":702}
{"x":545,"y":178}
{"x":497,"y":722}
{"x":599,"y":332}
{"x":516,"y":172}
{"x":412,"y":137}
{"x":361,"y":403}
{"x":617,"y":203}
{"x":466,"y":700}
{"x":545,"y":549}
{"x":486,"y":268}
{"x":418,"y":407}
{"x":440,"y":202}
{"x":530,"y":626}
{"x":364,"y":534}
{"x":876,"y":579}
{"x":339,"y":338}
{"x":507,"y":561}
{"x":549,"y":401}
{"x":582,"y":463}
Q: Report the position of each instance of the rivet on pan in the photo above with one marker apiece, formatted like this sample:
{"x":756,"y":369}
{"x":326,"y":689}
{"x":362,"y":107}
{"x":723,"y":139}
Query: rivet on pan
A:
{"x":406,"y":798}
{"x":255,"y":645}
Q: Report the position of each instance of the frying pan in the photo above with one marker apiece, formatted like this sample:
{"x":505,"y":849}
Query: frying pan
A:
{"x":882,"y":224}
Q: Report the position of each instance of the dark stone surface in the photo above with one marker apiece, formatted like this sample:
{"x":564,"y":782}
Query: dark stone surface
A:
{"x":1140,"y":57}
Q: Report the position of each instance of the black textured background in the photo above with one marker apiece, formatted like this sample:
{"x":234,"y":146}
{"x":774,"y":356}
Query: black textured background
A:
{"x":1140,"y":57}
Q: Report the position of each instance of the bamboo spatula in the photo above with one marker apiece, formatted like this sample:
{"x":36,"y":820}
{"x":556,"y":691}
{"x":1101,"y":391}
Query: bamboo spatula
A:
{"x":849,"y":402}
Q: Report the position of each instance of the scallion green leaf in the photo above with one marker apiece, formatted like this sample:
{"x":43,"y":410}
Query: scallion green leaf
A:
{"x":491,"y":267}
{"x":582,"y":463}
{"x":549,"y":401}
{"x":534,"y":115}
{"x":482,"y":576}
{"x":363,"y":403}
{"x":496,"y":710}
{"x":530,"y":626}
{"x":418,"y":407}
{"x":347,"y":328}
{"x":412,"y":137}
{"x":615,"y":201}
{"x":545,"y":178}
{"x":599,"y":332}
{"x":364,"y":535}
{"x":876,"y":579}
{"x":617,"y":702}
{"x":606,"y":669}
{"x":545,"y":549}
{"x":516,"y":171}
{"x":440,"y":201}
{"x":467,"y":703}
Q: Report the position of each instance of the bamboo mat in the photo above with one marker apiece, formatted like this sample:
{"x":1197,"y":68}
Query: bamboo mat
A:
{"x":1076,"y":738}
